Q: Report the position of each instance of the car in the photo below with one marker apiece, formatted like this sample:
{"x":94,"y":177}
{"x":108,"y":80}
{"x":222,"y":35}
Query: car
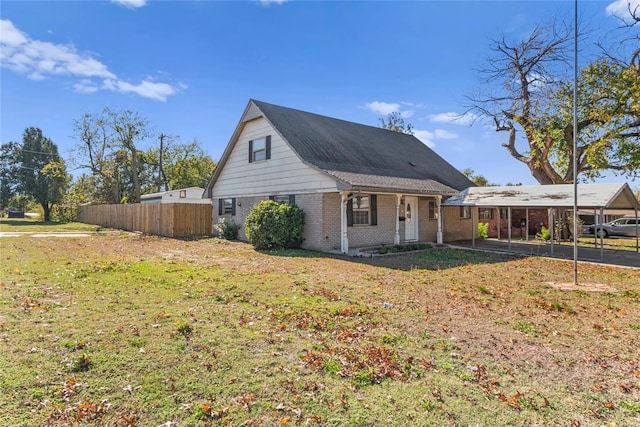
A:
{"x":619,"y":227}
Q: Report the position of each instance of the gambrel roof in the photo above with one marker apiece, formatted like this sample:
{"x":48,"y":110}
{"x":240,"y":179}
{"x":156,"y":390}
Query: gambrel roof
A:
{"x":359,"y":157}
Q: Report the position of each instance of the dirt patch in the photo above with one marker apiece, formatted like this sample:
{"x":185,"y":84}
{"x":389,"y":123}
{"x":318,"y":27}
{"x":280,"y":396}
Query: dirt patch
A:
{"x":586,"y":287}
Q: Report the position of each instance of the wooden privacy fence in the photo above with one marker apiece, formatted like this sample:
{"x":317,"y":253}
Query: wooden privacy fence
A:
{"x":166,"y":219}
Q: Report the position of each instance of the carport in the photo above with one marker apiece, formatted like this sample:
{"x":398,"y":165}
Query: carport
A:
{"x":552,"y":197}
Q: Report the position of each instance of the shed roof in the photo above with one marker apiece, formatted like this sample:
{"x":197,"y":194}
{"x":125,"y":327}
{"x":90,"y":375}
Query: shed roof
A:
{"x":612,"y":196}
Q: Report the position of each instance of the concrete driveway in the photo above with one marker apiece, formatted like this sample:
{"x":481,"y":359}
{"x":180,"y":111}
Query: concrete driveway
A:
{"x":565,"y":251}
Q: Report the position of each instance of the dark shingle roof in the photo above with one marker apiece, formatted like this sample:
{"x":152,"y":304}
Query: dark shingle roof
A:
{"x":340,"y":146}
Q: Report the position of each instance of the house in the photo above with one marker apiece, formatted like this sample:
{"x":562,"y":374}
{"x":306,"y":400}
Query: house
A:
{"x":183,"y":195}
{"x":358,"y":185}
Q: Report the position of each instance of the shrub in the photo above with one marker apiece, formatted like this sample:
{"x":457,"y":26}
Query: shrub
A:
{"x":483,"y":230}
{"x":226,"y":230}
{"x":544,"y":234}
{"x":273,"y":225}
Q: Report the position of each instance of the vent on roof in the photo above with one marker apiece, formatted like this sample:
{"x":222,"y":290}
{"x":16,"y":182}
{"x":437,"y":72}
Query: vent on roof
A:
{"x":412,"y":164}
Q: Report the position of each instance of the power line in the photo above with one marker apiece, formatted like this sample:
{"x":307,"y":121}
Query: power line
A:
{"x":39,"y":152}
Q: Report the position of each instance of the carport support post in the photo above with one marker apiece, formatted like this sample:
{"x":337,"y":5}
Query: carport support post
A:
{"x":551,"y":228}
{"x":439,"y":233}
{"x":344,"y":241}
{"x":601,"y":238}
{"x":396,"y":236}
{"x":595,"y":228}
{"x":473,"y":233}
{"x":635,"y":209}
{"x":509,"y":225}
{"x":499,"y":222}
{"x":526,"y":224}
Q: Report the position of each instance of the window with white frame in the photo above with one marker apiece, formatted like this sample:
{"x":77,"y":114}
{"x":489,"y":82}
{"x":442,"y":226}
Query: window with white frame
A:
{"x":465,"y":212}
{"x":259,"y":149}
{"x":433,"y":210}
{"x":361,"y":207}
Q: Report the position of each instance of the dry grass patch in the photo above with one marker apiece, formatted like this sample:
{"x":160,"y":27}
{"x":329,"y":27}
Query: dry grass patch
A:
{"x":133,"y":330}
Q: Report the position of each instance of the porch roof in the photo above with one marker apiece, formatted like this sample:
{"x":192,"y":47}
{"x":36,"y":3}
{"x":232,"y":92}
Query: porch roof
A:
{"x":390,"y":184}
{"x":612,"y":196}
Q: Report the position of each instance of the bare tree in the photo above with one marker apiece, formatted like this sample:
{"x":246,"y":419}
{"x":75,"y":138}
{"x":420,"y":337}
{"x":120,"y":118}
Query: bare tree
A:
{"x":527,"y":94}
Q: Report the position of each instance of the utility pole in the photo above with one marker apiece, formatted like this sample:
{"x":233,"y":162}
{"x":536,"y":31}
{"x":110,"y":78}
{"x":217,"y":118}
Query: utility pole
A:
{"x":160,"y":172}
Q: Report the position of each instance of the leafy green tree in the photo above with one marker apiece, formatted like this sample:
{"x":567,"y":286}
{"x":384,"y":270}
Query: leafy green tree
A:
{"x":477,"y":179}
{"x":109,"y":147}
{"x":183,"y":165}
{"x":42,"y":173}
{"x":395,"y":122}
{"x":526,"y":92}
{"x":8,"y":172}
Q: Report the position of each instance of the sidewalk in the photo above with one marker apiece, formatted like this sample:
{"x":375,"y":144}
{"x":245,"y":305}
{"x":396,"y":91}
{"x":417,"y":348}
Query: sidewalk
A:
{"x":564,"y":251}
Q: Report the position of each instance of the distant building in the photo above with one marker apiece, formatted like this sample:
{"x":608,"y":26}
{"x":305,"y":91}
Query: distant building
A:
{"x":183,"y":195}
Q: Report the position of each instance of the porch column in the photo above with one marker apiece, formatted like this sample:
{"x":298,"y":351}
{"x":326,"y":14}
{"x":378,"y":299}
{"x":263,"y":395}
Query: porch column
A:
{"x":439,"y":207}
{"x":499,"y":221}
{"x":396,"y":236}
{"x":526,"y":224}
{"x":344,"y":241}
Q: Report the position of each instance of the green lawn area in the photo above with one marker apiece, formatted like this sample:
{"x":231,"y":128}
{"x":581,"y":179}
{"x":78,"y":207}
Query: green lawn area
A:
{"x":125,"y":330}
{"x":618,"y":243}
{"x":39,"y":226}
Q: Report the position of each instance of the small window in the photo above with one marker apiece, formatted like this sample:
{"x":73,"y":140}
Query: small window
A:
{"x":433,"y":212}
{"x":183,"y":194}
{"x":485,"y":213}
{"x":361,"y":210}
{"x":291,"y":199}
{"x":465,"y":212}
{"x":260,"y":149}
{"x":228,"y":206}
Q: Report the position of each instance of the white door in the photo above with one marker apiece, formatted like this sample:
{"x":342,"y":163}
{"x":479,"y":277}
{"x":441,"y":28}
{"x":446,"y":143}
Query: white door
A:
{"x":410,"y":218}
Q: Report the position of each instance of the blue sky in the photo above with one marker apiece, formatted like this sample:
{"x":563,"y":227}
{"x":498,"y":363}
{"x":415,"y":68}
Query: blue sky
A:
{"x":191,"y":67}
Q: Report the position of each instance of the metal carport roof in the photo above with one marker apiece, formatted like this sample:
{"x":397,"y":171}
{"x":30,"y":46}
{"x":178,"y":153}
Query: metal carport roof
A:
{"x":610,"y":196}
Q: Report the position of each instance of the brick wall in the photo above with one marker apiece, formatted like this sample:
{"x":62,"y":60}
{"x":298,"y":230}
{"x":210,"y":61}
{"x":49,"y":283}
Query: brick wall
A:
{"x":455,"y":228}
{"x":537,"y":219}
{"x":322,"y":221}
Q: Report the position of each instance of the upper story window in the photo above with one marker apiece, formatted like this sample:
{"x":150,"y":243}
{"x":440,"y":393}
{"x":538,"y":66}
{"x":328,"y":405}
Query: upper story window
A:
{"x":260,"y":149}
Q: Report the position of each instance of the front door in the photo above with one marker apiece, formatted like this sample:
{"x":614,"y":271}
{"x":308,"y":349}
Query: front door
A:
{"x":410,"y":218}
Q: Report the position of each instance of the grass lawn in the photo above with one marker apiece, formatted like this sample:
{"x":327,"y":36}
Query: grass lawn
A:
{"x":129,"y":330}
{"x":618,"y":243}
{"x":38,"y":226}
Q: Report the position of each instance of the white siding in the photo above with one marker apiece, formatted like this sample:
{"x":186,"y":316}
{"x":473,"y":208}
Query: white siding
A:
{"x":284,"y":173}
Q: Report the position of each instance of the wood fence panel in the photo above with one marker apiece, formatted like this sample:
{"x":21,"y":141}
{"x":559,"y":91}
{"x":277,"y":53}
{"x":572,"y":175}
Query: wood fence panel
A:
{"x":167,"y":219}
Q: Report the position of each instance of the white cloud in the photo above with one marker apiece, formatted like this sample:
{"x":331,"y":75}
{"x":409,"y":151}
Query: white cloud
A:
{"x":426,"y":137}
{"x":620,"y":9}
{"x":131,"y":4}
{"x":453,"y":118}
{"x":445,"y":134}
{"x":268,"y":2}
{"x":40,"y":59}
{"x":384,"y":108}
